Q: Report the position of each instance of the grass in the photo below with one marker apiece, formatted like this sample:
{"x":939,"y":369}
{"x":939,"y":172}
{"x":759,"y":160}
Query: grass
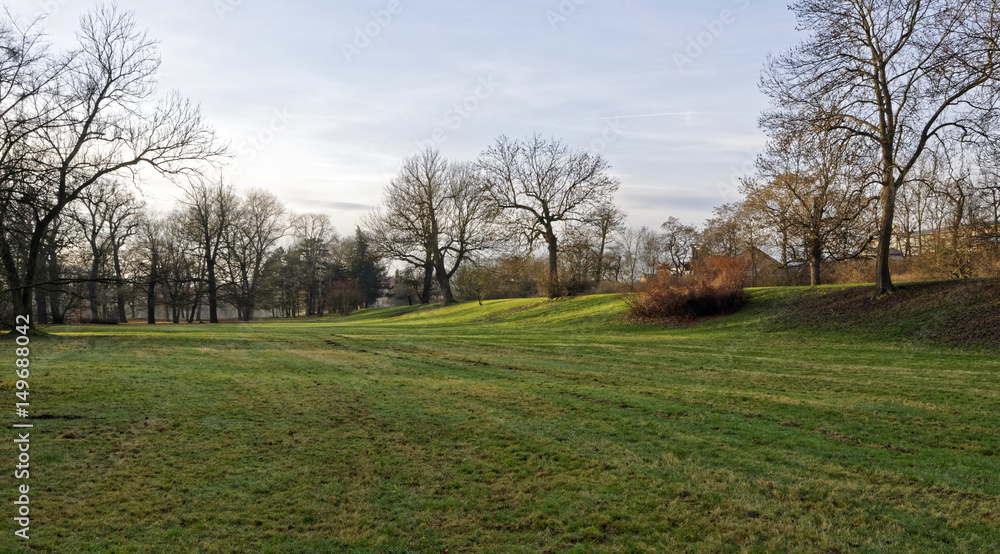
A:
{"x":518,"y":426}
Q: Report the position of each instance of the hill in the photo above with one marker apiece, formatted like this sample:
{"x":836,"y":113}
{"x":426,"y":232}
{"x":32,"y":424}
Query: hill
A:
{"x":958,"y":312}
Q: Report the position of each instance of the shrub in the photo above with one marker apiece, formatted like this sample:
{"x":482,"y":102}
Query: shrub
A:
{"x":713,"y":286}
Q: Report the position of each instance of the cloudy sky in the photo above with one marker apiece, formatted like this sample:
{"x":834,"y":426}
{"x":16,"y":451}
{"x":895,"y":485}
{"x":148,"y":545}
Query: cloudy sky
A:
{"x":321,"y":100}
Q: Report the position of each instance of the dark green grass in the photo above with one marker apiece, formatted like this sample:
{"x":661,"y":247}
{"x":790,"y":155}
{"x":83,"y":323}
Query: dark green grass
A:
{"x":519,"y":426}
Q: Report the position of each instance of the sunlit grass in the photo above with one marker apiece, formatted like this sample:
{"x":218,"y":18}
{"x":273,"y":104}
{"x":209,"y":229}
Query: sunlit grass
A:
{"x":522,"y":425}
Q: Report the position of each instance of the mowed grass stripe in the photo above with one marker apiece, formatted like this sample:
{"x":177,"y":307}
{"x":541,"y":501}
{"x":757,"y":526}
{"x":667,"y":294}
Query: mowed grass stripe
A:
{"x":517,"y":426}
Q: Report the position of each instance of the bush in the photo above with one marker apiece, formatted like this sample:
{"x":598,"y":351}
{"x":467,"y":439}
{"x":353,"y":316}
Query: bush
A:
{"x":713,"y":286}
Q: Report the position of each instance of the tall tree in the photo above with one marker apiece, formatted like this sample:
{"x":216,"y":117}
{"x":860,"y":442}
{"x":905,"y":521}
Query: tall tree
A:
{"x":549,"y":184}
{"x":124,"y":211}
{"x":631,"y":242}
{"x":606,"y":219}
{"x":211,"y":208}
{"x":180,"y":265}
{"x":108,"y":216}
{"x":894,"y":73}
{"x":678,"y":241}
{"x":151,"y":241}
{"x":92,"y":218}
{"x":314,"y":239}
{"x":92,"y":118}
{"x":434,"y":217}
{"x":364,"y":266}
{"x":258,"y":223}
{"x":812,"y":186}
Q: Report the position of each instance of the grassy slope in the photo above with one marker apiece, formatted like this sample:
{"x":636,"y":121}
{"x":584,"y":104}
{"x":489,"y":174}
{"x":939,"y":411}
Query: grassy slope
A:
{"x":520,"y":425}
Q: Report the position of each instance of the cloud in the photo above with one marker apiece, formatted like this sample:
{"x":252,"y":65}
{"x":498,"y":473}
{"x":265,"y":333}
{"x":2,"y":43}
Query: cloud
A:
{"x":340,"y":206}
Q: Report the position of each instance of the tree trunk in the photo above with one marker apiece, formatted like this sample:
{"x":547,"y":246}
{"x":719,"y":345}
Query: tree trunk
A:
{"x":425,"y":293}
{"x":119,"y":286}
{"x":815,"y":259}
{"x":443,"y":281}
{"x":251,"y":302}
{"x":213,"y":294}
{"x":600,"y":260}
{"x":22,"y":303}
{"x":41,"y":309}
{"x":54,"y":299}
{"x":883,"y":279}
{"x":22,"y":286}
{"x":92,"y":289}
{"x":151,"y":303}
{"x":550,"y":237}
{"x":151,"y":289}
{"x":42,"y":312}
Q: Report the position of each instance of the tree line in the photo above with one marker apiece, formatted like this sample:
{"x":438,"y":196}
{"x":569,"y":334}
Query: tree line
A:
{"x":881,"y":147}
{"x":880,"y":151}
{"x":77,"y":128}
{"x":883,"y":103}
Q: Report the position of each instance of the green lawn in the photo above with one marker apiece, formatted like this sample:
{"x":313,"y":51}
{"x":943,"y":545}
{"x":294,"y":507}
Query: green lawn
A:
{"x":518,"y":426}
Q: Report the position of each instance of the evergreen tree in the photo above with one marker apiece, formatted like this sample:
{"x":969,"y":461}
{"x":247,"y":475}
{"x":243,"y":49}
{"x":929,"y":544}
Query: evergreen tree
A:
{"x":366,"y":269}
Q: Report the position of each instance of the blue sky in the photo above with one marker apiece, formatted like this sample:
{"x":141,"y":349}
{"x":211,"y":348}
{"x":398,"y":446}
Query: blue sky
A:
{"x":321,"y":100}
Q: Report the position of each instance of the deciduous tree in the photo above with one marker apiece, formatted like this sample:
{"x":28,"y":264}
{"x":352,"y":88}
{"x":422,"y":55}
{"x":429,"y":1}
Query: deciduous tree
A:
{"x":549,"y":184}
{"x":74,"y":120}
{"x":893,"y":73}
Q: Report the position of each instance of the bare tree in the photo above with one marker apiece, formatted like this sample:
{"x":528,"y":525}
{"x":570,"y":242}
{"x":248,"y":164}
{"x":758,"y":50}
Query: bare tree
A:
{"x":257,"y":225}
{"x":124,"y":211}
{"x":960,"y":204}
{"x":434,"y":216}
{"x":811,"y":188}
{"x":95,"y":121}
{"x":468,"y":224}
{"x":150,"y":251}
{"x":315,"y":239}
{"x":179,"y":268}
{"x":630,"y":242}
{"x":988,"y":162}
{"x":548,"y":183}
{"x":606,"y":219}
{"x":108,"y":217}
{"x":28,"y":103}
{"x":210,"y":211}
{"x":895,"y":73}
{"x":678,"y":241}
{"x":91,"y":218}
{"x":402,"y":227}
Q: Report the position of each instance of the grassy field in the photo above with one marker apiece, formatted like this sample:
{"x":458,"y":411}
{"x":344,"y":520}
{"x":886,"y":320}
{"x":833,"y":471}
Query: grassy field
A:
{"x":518,"y":426}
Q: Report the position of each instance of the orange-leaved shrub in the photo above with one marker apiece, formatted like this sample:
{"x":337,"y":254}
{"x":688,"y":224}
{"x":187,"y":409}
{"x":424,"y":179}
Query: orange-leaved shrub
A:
{"x":712,"y":286}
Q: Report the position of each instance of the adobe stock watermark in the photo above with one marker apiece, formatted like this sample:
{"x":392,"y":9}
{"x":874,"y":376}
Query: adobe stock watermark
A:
{"x":253,"y":145}
{"x":225,"y":7}
{"x":729,"y":191}
{"x":52,"y":7}
{"x":366,"y":34}
{"x":460,"y":112}
{"x":613,"y":130}
{"x":713,"y":29}
{"x":22,"y":470}
{"x":565,"y":10}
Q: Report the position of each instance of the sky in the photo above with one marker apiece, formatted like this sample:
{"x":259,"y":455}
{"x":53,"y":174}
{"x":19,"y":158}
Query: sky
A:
{"x":321,"y":101}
